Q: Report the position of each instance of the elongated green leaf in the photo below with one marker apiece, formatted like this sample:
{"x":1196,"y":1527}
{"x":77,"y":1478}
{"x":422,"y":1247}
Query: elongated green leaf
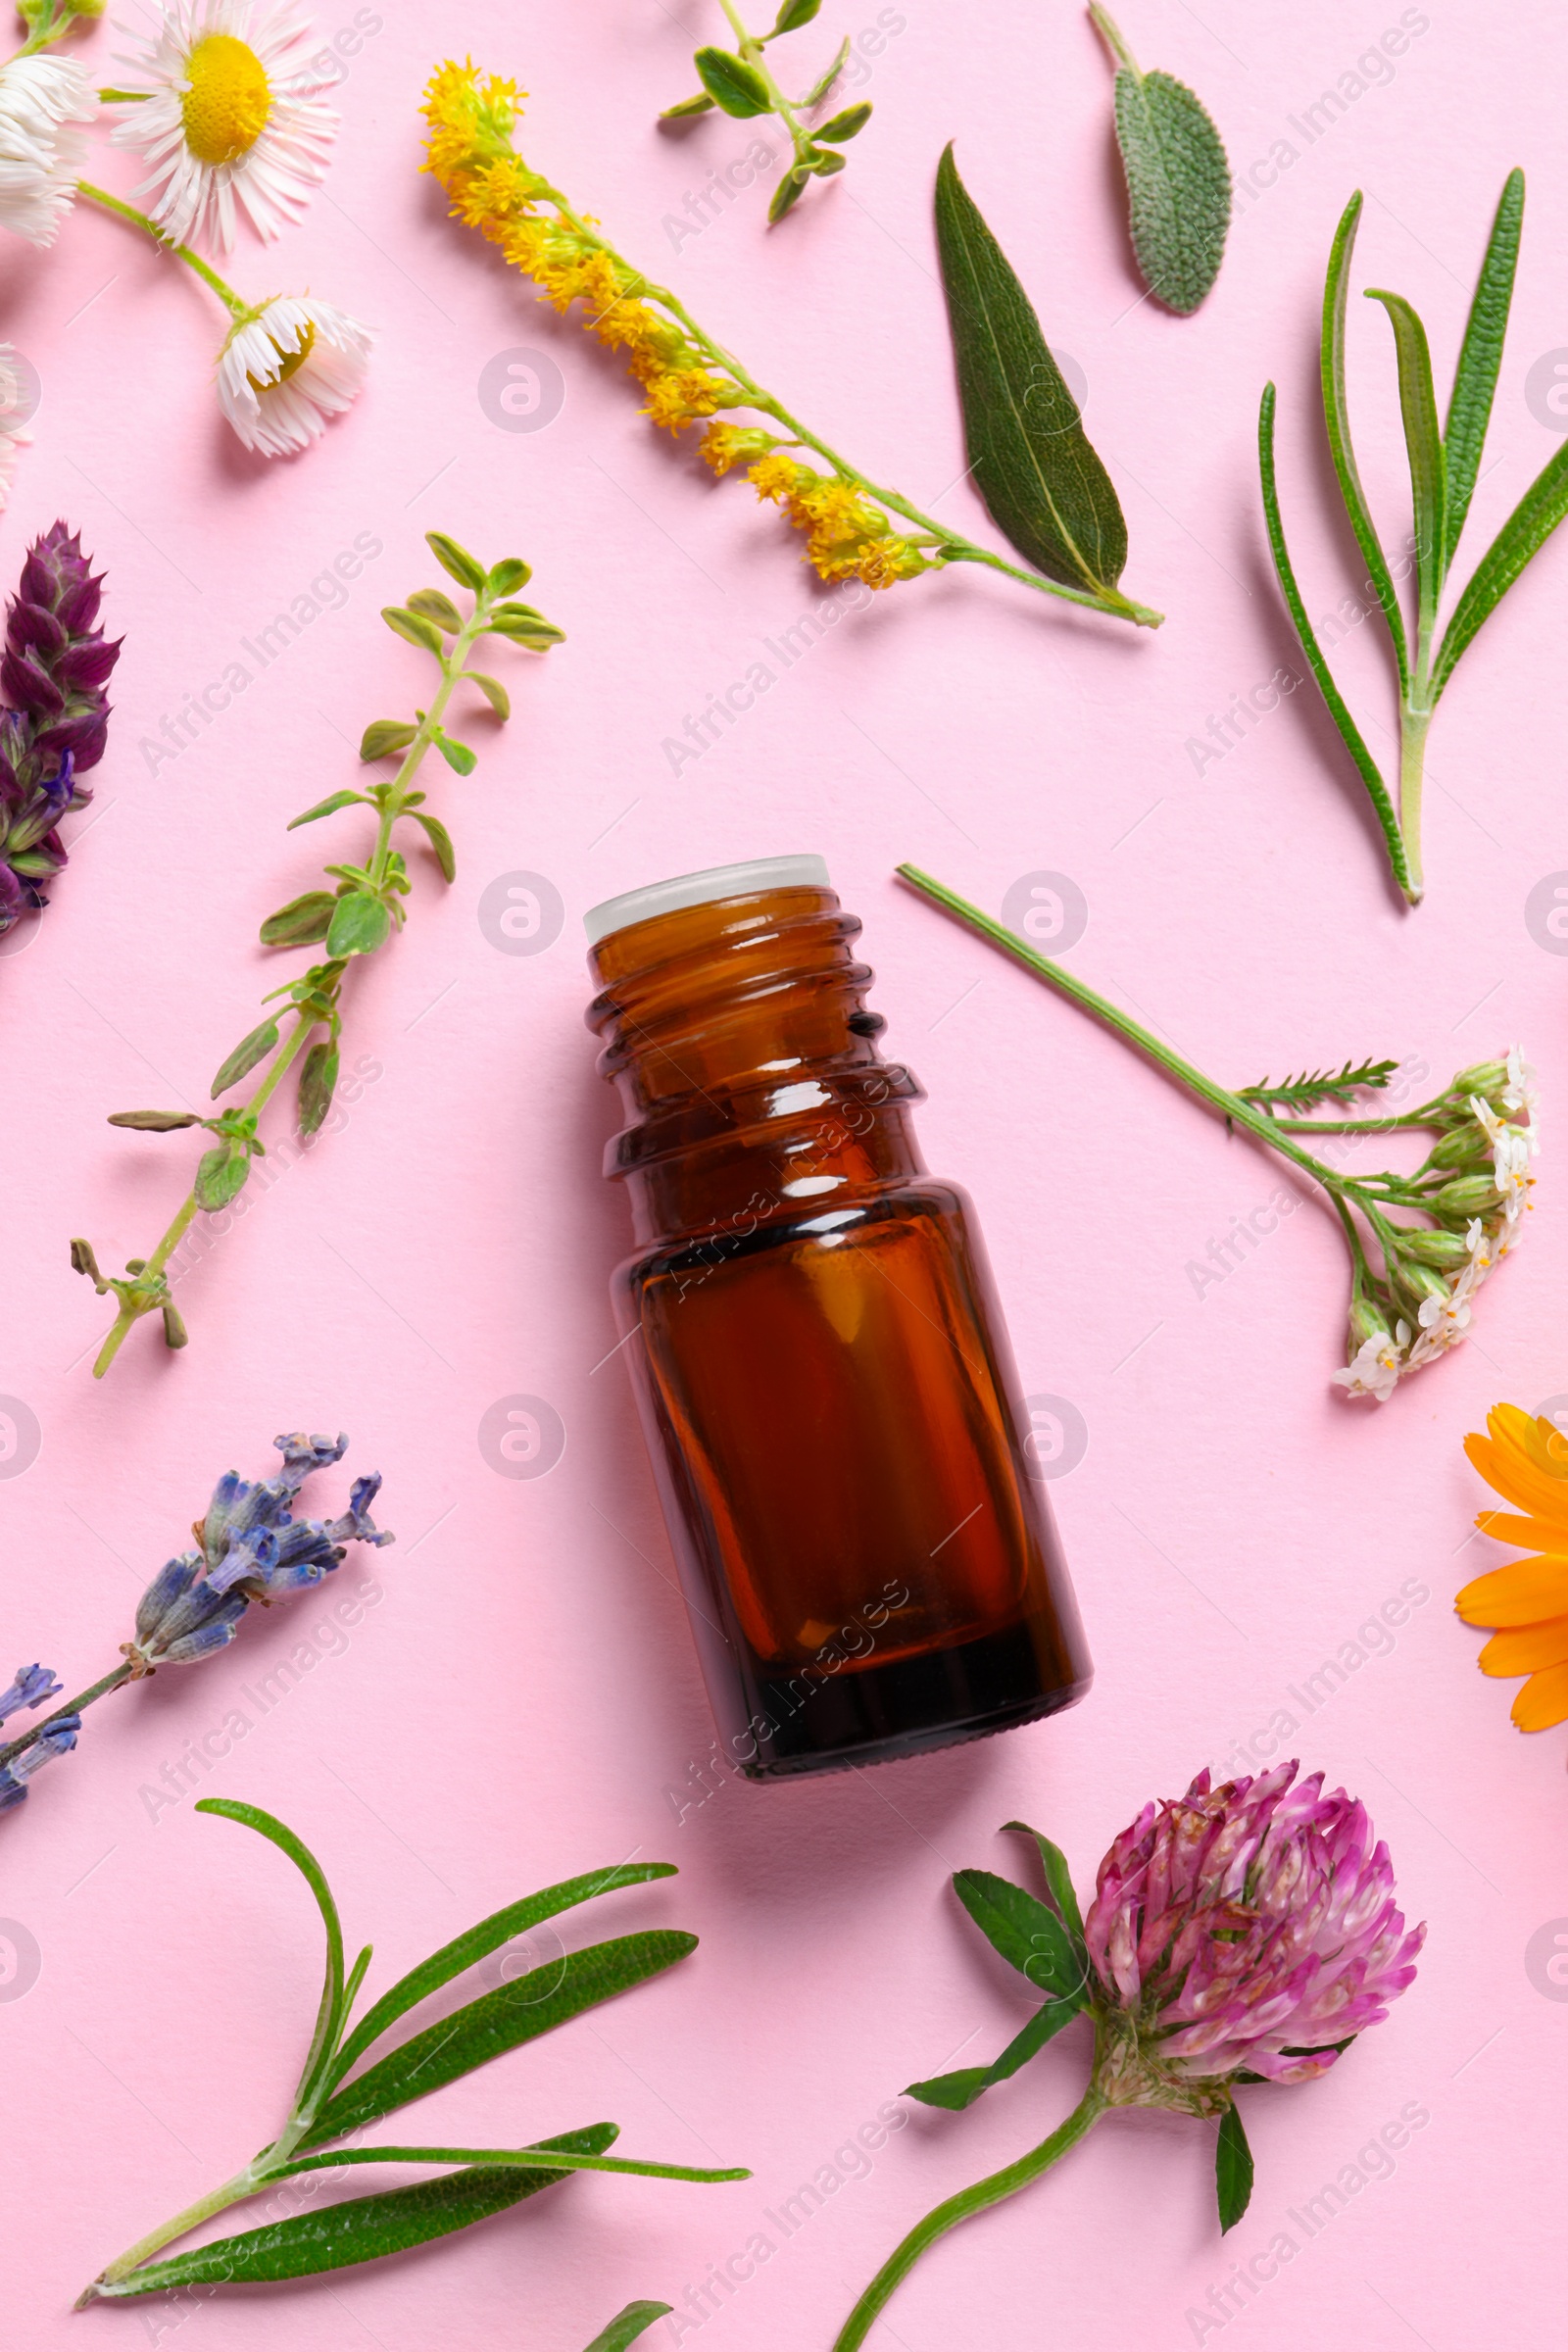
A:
{"x":455,"y":559}
{"x":790,"y":189}
{"x":530,"y":2155}
{"x":1233,"y":2171}
{"x":318,"y":1085}
{"x":732,"y":83}
{"x":702,"y":104}
{"x":1178,"y":179}
{"x":495,"y":694}
{"x":478,"y":1942}
{"x":153,"y":1122}
{"x":962,"y":2088}
{"x":1338,"y":710}
{"x":1058,"y":1876}
{"x":1337,"y":417}
{"x":433,"y":604}
{"x":246,"y":1055}
{"x":301,"y":921}
{"x":413,"y":627}
{"x":791,"y":15}
{"x":627,"y":2325}
{"x":1526,"y":531}
{"x":1418,"y":410}
{"x":1474,"y":380}
{"x":440,"y":841}
{"x":497,"y":2022}
{"x":820,"y":87}
{"x":508,"y":576}
{"x":329,"y":2016}
{"x":847,"y":125}
{"x":221,"y":1176}
{"x":1030,"y":1938}
{"x":384,"y":735}
{"x":455,"y":754}
{"x":528,"y":629}
{"x":1031,"y":460}
{"x":328,"y":808}
{"x":358,"y":925}
{"x":361,"y":2228}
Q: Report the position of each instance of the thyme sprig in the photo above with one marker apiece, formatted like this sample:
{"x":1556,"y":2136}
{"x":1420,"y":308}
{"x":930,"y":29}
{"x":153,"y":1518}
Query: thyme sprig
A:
{"x":742,"y":83}
{"x":355,"y":919}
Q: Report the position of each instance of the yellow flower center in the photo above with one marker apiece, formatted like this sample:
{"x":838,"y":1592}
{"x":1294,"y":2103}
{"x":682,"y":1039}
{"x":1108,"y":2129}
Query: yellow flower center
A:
{"x":229,"y":100}
{"x":293,"y":361}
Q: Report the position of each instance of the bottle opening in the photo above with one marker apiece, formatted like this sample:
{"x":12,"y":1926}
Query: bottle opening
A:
{"x":802,"y":872}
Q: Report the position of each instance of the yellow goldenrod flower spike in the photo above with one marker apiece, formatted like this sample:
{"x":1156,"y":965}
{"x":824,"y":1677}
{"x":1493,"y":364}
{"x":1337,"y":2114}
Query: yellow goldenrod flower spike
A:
{"x":687,"y":378}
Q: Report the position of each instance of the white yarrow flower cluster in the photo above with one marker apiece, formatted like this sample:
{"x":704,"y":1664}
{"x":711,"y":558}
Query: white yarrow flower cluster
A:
{"x":45,"y":106}
{"x":1383,"y":1357}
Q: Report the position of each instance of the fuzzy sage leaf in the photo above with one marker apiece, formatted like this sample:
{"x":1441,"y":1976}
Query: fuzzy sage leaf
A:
{"x":1032,"y":462}
{"x":1178,"y":179}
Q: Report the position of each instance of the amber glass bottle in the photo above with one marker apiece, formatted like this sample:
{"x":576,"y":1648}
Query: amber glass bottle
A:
{"x":823,"y":1375}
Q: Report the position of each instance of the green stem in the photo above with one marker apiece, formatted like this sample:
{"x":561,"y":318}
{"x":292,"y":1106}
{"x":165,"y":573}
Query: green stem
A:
{"x":753,"y":51}
{"x":73,"y":1706}
{"x":953,"y":546}
{"x":392,"y":803}
{"x":954,"y":2210}
{"x":232,"y":302}
{"x":1218,"y":1097}
{"x":1414,"y":720}
{"x":1110,"y":33}
{"x":217,"y":2201}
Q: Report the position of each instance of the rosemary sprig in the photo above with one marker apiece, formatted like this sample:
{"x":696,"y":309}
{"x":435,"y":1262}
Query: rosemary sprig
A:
{"x":1444,"y":466}
{"x":331,"y":2101}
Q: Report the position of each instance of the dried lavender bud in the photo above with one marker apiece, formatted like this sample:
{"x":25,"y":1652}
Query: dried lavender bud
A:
{"x":53,"y":672}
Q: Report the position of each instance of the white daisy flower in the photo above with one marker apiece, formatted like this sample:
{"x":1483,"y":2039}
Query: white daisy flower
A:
{"x":1374,"y":1369}
{"x":229,"y":121}
{"x":286,"y":368}
{"x":44,"y":102}
{"x":13,"y":427}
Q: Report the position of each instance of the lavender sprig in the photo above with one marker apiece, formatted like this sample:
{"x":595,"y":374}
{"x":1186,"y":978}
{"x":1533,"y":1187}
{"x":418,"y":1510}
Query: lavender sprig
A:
{"x":251,"y":1548}
{"x":53,"y":673}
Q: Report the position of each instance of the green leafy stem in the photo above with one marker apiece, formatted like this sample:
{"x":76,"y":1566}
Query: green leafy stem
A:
{"x":352,"y":922}
{"x":741,"y":83}
{"x":1044,"y":1941}
{"x":1444,"y":466}
{"x":329,"y":2106}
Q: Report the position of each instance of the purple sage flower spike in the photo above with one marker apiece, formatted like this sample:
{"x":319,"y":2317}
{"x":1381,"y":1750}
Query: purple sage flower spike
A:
{"x":53,"y":672}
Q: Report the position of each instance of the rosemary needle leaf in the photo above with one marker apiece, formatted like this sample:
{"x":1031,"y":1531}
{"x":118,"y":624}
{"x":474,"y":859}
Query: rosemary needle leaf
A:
{"x":625,"y":2327}
{"x":360,"y":2228}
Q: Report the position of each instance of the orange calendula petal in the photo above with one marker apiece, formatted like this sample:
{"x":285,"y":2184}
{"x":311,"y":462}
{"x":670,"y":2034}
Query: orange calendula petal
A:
{"x":1507,"y":1471}
{"x":1527,"y":1648}
{"x":1544,"y":1700}
{"x":1540,"y":1535}
{"x":1522,"y":1594}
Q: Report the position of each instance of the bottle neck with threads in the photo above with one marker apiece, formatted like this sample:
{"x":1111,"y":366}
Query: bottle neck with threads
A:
{"x":737,"y":1034}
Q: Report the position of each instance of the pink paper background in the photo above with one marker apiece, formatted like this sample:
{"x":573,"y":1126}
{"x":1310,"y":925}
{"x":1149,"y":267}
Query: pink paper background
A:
{"x":524,"y":1703}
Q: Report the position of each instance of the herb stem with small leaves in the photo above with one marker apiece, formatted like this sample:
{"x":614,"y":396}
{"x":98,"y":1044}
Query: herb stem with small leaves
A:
{"x":356,"y":919}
